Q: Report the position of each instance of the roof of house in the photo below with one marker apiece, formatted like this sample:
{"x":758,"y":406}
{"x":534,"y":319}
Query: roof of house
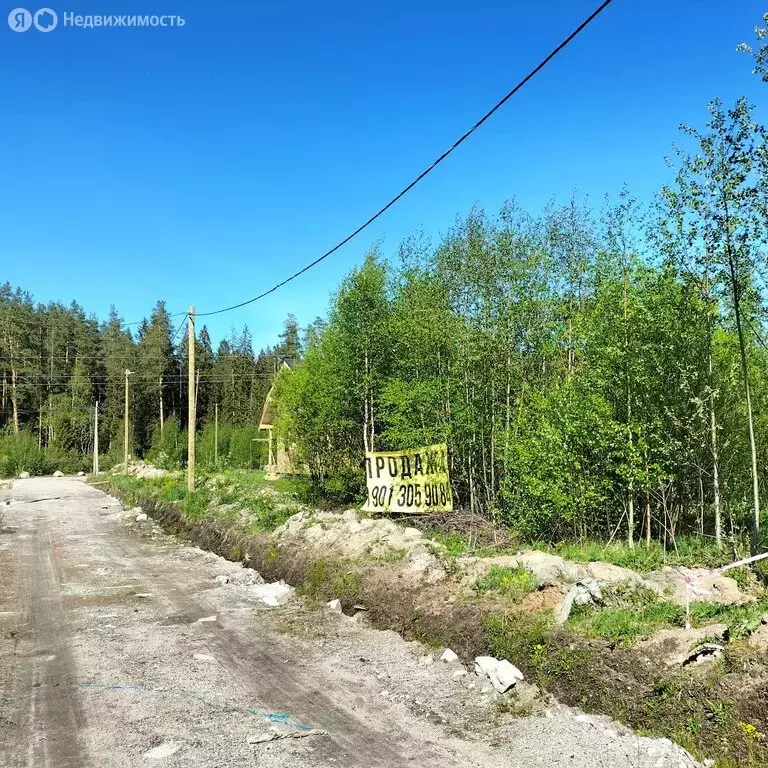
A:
{"x":267,"y":413}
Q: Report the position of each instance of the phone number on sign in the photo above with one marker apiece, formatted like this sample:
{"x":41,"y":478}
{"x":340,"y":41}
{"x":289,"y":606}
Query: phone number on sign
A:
{"x":409,"y":495}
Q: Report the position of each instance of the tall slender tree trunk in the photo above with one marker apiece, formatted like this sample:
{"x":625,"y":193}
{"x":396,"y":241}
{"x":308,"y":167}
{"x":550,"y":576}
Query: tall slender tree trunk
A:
{"x":747,"y":394}
{"x":715,"y":458}
{"x":631,"y":490}
{"x":14,"y":393}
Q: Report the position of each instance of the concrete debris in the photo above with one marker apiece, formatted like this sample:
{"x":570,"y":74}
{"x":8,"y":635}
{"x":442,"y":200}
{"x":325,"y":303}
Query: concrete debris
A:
{"x":334,"y":605}
{"x":162,"y":751}
{"x":274,"y":594}
{"x":142,"y":517}
{"x":204,"y":657}
{"x":449,"y":656}
{"x":581,"y":593}
{"x":669,"y":583}
{"x":58,"y":473}
{"x":23,"y":475}
{"x":81,"y":473}
{"x":500,"y":672}
{"x":460,"y":673}
{"x":705,"y":652}
{"x":206,"y":620}
{"x":221,"y":579}
{"x":139,"y":469}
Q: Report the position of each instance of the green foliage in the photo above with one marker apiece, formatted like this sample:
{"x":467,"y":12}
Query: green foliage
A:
{"x":626,"y":624}
{"x":21,"y":453}
{"x":741,"y":620}
{"x":590,"y":373}
{"x":514,"y":583}
{"x":689,"y":552}
{"x":169,"y":449}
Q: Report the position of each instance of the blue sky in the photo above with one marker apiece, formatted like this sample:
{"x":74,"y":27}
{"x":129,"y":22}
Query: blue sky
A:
{"x":202,"y":164}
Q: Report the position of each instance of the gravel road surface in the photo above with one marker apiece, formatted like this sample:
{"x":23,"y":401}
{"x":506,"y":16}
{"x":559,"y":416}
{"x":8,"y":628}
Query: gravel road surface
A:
{"x":119,"y":646}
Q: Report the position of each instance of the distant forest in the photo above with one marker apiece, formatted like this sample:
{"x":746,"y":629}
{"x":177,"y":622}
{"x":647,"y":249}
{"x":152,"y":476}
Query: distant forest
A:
{"x":56,"y":362}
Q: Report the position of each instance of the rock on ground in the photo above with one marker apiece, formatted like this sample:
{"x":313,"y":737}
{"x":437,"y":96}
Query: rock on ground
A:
{"x":273,"y":594}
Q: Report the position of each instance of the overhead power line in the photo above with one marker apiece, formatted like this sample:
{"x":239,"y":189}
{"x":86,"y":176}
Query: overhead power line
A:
{"x":543,"y":63}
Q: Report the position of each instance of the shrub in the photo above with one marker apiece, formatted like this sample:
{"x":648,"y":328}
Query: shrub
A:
{"x":515,"y":583}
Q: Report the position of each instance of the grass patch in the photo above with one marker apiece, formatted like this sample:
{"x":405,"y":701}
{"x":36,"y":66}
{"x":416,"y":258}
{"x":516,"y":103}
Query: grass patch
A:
{"x":265,"y":504}
{"x":514,"y":583}
{"x":456,"y":544}
{"x":689,"y":552}
{"x":741,"y":620}
{"x":625,"y":625}
{"x":386,"y":554}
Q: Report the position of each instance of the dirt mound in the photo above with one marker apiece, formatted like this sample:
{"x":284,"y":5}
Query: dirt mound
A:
{"x":364,"y":537}
{"x":673,"y":646}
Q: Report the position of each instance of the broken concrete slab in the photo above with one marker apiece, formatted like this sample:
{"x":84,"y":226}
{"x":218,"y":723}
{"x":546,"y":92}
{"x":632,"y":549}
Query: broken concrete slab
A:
{"x":501,"y":673}
{"x":274,"y":594}
{"x":505,"y":676}
{"x":759,"y":638}
{"x":334,"y":605}
{"x":581,"y":593}
{"x":449,"y":656}
{"x":484,"y":665}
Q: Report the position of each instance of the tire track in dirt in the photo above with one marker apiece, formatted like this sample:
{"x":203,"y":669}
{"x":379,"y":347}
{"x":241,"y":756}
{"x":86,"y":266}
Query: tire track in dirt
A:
{"x":43,"y":705}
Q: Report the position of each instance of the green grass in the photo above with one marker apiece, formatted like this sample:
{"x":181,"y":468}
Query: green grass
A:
{"x":625,"y":625}
{"x":457,"y":545}
{"x":514,"y":583}
{"x":626,"y":618}
{"x":690,"y":552}
{"x":265,"y":504}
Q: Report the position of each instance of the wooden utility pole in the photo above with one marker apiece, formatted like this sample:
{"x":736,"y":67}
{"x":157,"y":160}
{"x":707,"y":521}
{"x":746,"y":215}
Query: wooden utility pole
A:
{"x":192,"y":401}
{"x":161,"y":409}
{"x":216,"y":435}
{"x":125,"y":412}
{"x":96,"y":439}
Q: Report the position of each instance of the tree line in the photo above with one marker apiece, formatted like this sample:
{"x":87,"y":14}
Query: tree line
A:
{"x":56,"y":363}
{"x":593,"y":374}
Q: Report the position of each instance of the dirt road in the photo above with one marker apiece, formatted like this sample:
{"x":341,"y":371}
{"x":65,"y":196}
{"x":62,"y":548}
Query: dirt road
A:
{"x":120,"y":647}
